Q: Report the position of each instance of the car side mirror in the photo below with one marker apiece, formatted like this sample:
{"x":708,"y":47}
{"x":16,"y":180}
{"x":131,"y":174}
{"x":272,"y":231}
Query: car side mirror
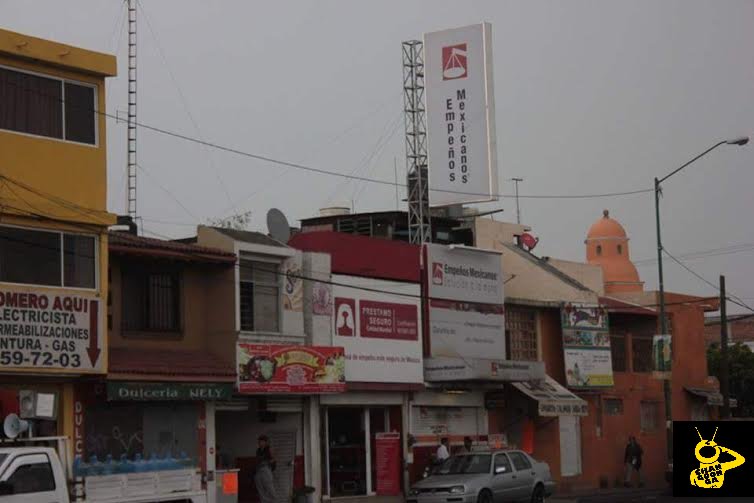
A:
{"x":499,"y":470}
{"x":6,"y":488}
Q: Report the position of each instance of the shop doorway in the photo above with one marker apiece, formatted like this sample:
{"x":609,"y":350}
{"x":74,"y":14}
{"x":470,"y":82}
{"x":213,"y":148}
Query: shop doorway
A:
{"x":347,"y":452}
{"x":360,"y":460}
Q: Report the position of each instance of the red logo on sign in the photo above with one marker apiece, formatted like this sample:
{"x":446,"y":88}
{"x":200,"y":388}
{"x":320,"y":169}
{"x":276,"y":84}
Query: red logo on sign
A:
{"x":454,"y":62}
{"x":345,"y":316}
{"x":438,"y":276}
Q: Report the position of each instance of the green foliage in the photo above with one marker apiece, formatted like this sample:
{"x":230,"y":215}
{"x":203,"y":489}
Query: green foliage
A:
{"x":741,"y":375}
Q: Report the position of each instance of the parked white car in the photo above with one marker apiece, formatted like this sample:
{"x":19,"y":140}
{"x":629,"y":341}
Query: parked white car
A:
{"x":486,"y":477}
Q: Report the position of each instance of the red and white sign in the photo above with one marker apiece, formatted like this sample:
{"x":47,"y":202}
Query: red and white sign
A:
{"x":387,"y":320}
{"x":379,"y":331}
{"x":461,"y":145}
{"x":454,"y":62}
{"x":388,"y":461}
{"x":466,"y":318}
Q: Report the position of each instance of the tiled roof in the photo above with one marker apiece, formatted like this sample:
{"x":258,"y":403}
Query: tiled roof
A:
{"x":121,"y":242}
{"x":176,"y":365}
{"x":252,"y":237}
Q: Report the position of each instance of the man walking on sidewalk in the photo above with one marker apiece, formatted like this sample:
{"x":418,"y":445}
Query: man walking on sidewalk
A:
{"x":632,"y":458}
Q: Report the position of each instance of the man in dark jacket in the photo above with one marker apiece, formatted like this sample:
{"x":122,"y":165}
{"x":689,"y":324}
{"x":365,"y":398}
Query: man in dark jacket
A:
{"x":632,"y":458}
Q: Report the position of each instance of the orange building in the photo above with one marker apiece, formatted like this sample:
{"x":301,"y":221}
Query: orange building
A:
{"x":607,"y":246}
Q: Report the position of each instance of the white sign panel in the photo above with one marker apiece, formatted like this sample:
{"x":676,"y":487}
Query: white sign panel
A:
{"x":380,"y":332}
{"x":465,"y":287}
{"x":461,"y":145}
{"x":50,"y":332}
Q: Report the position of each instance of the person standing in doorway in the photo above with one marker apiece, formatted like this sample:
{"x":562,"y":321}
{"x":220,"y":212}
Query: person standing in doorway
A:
{"x":632,"y":458}
{"x":467,"y":445}
{"x":263,"y":475}
{"x":442,"y":452}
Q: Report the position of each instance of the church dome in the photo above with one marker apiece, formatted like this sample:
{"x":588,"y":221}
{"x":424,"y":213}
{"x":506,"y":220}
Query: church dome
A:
{"x":606,"y":227}
{"x":607,"y":246}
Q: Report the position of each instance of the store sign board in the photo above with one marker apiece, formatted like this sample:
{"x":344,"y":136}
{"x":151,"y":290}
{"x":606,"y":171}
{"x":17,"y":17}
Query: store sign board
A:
{"x":461,"y":146}
{"x":379,"y":330}
{"x":164,"y":391}
{"x":475,"y":369}
{"x":48,"y":332}
{"x":466,"y":316}
{"x":388,"y":464}
{"x":586,"y":346}
{"x":552,"y":398}
{"x":269,"y":368}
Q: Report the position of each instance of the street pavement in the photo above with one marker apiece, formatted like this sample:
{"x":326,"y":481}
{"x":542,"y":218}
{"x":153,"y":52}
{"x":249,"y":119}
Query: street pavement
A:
{"x":640,"y":496}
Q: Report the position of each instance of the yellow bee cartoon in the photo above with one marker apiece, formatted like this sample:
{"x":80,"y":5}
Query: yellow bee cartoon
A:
{"x":710,"y":473}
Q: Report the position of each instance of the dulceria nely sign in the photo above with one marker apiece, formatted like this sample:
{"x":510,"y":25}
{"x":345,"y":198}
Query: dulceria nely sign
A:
{"x":146,"y":391}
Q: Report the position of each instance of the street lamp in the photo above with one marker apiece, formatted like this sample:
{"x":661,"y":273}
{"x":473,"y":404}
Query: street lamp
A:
{"x":743,"y":140}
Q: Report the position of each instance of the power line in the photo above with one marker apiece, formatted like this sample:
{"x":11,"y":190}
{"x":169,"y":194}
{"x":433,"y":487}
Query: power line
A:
{"x":713,"y":252}
{"x":729,"y":297}
{"x":321,"y":171}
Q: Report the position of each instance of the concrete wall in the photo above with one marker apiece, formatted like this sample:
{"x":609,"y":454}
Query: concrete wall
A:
{"x":588,"y":275}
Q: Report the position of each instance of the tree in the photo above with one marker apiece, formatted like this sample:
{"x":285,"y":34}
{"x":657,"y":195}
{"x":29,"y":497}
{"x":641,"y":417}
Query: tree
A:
{"x":741,"y":375}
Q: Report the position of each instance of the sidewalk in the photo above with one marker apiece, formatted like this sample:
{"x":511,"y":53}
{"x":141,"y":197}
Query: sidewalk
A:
{"x":611,"y":495}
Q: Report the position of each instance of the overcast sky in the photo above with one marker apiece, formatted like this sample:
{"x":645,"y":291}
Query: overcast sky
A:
{"x":591,"y":96}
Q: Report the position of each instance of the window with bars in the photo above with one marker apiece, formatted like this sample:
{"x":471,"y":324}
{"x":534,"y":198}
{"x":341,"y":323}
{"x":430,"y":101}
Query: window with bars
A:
{"x":641,"y":352}
{"x":521,"y":331}
{"x":151,"y":301}
{"x":259,"y":292}
{"x":613,"y":406}
{"x":618,"y":352}
{"x":649,"y":412}
{"x":47,"y":106}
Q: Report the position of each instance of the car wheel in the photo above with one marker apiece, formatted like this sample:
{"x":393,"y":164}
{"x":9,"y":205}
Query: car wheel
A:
{"x":484,"y":497}
{"x":538,"y":496}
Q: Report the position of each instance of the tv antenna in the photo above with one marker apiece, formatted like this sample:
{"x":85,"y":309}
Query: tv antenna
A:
{"x":518,"y":208}
{"x":131,"y":124}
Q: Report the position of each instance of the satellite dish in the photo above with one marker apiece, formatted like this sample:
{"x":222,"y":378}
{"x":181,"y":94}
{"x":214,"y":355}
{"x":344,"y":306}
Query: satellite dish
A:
{"x":277,"y":225}
{"x":14,"y":426}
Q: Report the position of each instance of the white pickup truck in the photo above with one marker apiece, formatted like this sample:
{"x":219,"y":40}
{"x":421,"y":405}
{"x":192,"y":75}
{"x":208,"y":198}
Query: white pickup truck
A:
{"x":36,"y":475}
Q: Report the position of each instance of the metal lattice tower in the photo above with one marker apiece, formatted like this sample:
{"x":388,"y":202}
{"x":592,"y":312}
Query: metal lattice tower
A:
{"x":419,"y":227}
{"x":131,"y":128}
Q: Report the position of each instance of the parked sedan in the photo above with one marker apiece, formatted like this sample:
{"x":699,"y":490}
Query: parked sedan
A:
{"x":485,"y":477}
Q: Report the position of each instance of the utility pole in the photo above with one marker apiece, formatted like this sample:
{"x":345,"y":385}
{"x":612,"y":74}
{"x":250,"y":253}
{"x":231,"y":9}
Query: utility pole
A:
{"x":724,"y":377}
{"x":518,"y":208}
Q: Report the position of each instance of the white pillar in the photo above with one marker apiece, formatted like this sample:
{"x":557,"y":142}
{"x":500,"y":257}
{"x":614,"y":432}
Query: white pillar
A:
{"x":368,"y":451}
{"x":406,"y":427}
{"x":209,"y":423}
{"x":313,"y":447}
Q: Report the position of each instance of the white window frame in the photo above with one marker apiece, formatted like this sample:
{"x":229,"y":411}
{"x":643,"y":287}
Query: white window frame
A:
{"x":277,"y":262}
{"x":61,"y":236}
{"x":63,"y":81}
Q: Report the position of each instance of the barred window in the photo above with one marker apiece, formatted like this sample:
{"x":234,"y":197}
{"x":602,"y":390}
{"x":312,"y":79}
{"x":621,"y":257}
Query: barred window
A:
{"x":649,"y":412}
{"x":618,"y":352}
{"x":151,"y":301}
{"x":521,"y":328}
{"x":641,"y":349}
{"x":613,"y":407}
{"x":259,"y":291}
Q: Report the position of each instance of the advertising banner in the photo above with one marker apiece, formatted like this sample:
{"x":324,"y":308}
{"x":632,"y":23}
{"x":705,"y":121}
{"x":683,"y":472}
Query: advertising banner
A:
{"x":266,"y":368}
{"x":50,"y":332}
{"x":388,"y":461}
{"x":461,"y":145}
{"x":148,"y":391}
{"x":379,"y":331}
{"x":466,"y":317}
{"x":662,"y":356}
{"x":586,"y":346}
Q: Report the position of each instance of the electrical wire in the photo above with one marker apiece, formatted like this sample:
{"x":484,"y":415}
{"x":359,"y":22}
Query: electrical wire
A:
{"x":321,"y":171}
{"x":713,"y":252}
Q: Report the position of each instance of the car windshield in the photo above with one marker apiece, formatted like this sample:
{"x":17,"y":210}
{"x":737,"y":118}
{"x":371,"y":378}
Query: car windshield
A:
{"x":468,"y":463}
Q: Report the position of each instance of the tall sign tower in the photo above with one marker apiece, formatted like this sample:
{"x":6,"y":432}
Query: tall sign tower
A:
{"x":419,"y":226}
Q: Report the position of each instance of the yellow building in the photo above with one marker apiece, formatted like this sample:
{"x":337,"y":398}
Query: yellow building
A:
{"x":53,"y":225}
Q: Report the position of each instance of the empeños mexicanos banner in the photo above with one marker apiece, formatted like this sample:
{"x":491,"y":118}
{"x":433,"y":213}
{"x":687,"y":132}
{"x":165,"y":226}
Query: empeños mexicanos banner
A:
{"x":267,"y":368}
{"x":461,"y":146}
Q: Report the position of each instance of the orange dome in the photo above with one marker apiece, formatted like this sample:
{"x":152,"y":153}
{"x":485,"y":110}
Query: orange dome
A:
{"x":607,"y":246}
{"x":606,"y":227}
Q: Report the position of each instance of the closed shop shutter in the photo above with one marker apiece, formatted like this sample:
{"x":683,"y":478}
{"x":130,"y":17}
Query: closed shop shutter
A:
{"x":284,"y":450}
